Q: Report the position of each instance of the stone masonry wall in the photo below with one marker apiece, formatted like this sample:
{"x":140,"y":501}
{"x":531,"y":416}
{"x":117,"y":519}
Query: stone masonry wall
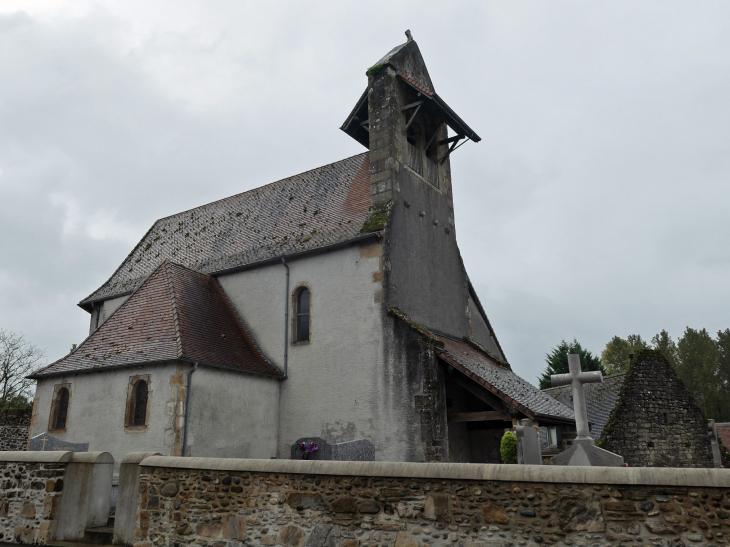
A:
{"x":30,"y":497}
{"x":234,"y":508}
{"x":656,"y":422}
{"x":14,"y":429}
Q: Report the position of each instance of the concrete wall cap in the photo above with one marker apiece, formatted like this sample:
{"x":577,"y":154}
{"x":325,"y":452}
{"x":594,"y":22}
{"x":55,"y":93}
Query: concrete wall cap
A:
{"x":136,"y":457}
{"x":91,"y":457}
{"x":35,"y":456}
{"x":659,"y":476}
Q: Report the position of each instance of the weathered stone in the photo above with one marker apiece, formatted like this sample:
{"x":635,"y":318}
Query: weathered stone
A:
{"x":435,"y":506}
{"x":28,"y":511}
{"x":659,"y":528}
{"x":495,"y":514}
{"x":369,"y":507}
{"x":694,"y":537}
{"x":580,"y":512}
{"x":183,"y":529}
{"x":529,"y":513}
{"x":350,"y":543}
{"x":619,"y":506}
{"x":345,"y":504}
{"x":406,"y":540}
{"x":634,"y":529}
{"x":292,"y":536}
{"x":210,"y":530}
{"x":268,"y":540}
{"x":646,"y":506}
{"x":24,"y":534}
{"x":169,"y":490}
{"x":321,"y":536}
{"x":306,"y":501}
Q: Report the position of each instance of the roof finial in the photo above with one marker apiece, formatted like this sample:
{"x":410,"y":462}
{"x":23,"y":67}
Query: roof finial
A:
{"x":408,"y":35}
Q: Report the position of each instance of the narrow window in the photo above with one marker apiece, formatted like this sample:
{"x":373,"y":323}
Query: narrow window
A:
{"x":62,"y":408}
{"x":302,"y":315}
{"x":140,"y":403}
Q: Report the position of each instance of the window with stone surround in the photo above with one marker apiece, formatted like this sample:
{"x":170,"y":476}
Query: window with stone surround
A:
{"x":302,"y":300}
{"x":139,"y":391}
{"x":59,"y":407}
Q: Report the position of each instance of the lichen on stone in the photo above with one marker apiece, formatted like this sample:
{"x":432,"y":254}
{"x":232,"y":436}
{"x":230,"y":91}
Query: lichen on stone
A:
{"x":379,"y":216}
{"x":497,"y":360}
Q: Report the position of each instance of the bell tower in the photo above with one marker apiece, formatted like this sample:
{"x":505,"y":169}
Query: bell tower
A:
{"x":411,"y":133}
{"x":405,"y":124}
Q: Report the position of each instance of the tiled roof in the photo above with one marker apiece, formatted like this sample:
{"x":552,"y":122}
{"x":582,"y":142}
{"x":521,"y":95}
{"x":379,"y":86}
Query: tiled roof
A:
{"x":325,"y":206}
{"x":600,"y":400}
{"x":177,"y":314}
{"x":501,"y":381}
{"x":415,"y":84}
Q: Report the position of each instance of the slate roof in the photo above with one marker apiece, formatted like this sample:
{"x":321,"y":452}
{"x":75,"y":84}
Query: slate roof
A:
{"x":600,"y":400}
{"x":500,"y":380}
{"x":321,"y":207}
{"x":177,"y":314}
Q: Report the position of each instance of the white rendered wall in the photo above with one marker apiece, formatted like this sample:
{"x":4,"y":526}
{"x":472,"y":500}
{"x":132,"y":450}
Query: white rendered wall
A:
{"x":337,"y":387}
{"x":97,"y":409}
{"x":233,"y":415}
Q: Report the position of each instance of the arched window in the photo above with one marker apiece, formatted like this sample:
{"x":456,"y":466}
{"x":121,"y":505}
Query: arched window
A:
{"x":140,"y":403}
{"x":302,"y":315}
{"x":61,"y":408}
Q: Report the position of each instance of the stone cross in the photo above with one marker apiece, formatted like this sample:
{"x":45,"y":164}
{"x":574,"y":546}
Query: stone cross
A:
{"x":576,"y":379}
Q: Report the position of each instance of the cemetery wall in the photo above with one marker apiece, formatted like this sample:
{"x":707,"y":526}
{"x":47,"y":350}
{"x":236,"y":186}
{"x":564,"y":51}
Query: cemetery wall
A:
{"x":14,"y":429}
{"x":30,"y":499}
{"x":656,"y":421}
{"x":209,"y":502}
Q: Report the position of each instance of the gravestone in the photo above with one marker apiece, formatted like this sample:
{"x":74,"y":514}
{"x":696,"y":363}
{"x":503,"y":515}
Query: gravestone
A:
{"x":528,"y":444}
{"x":48,"y":443}
{"x":323,"y":452}
{"x":360,"y":450}
{"x":714,"y":443}
{"x":584,"y":451}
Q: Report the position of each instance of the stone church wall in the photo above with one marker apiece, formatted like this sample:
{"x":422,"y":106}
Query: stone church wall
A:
{"x":353,"y":504}
{"x":341,"y":386}
{"x":656,"y":422}
{"x":14,"y":429}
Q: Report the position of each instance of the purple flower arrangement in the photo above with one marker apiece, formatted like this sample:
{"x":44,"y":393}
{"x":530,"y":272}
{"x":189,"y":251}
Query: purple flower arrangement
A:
{"x":307,"y":447}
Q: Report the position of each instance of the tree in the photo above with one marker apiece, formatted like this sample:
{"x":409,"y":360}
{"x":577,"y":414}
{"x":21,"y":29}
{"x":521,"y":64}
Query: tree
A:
{"x":698,"y":356}
{"x":557,"y":361}
{"x":615,"y":356}
{"x":664,"y":343}
{"x":723,"y":374}
{"x":18,"y":359}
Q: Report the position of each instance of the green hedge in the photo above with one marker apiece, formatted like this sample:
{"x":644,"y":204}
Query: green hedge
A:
{"x":508,"y":448}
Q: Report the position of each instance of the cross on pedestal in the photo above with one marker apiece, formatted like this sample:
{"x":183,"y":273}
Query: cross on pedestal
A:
{"x":576,"y":379}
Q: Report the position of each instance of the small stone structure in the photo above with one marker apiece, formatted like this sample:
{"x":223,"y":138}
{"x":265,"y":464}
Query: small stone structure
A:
{"x":656,"y":421}
{"x":229,"y":502}
{"x":14,"y":429}
{"x":46,"y":496}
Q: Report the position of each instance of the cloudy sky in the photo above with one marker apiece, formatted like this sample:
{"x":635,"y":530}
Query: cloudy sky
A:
{"x":596,"y":204}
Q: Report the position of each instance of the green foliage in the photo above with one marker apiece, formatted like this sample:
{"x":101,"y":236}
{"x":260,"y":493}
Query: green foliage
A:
{"x":73,"y":348}
{"x":508,"y":447}
{"x":615,"y":356}
{"x":375,"y":71}
{"x":702,"y":365}
{"x":663,"y":342}
{"x":557,"y":361}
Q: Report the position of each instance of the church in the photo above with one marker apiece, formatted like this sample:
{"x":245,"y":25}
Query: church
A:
{"x":331,"y":304}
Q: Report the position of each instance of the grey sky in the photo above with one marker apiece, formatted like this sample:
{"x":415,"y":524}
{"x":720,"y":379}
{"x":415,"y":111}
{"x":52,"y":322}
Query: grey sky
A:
{"x":595,"y":205}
